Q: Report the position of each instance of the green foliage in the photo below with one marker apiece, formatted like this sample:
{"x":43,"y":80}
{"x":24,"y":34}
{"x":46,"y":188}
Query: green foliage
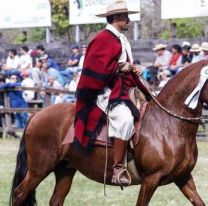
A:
{"x":60,"y":22}
{"x":20,"y":38}
{"x":186,"y":28}
{"x":36,"y":34}
{"x":89,"y":29}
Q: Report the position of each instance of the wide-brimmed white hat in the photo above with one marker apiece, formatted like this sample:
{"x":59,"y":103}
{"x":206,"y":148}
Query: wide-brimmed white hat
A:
{"x":204,"y":46}
{"x":159,"y":46}
{"x":185,"y":43}
{"x":116,"y":7}
{"x":195,"y":48}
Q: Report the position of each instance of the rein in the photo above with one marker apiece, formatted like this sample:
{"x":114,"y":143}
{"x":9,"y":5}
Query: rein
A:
{"x":201,"y":120}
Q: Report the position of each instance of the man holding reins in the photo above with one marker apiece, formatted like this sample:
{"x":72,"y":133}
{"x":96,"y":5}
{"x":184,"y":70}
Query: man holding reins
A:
{"x":108,"y":74}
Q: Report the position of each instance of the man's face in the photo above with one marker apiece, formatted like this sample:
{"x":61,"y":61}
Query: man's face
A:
{"x":10,"y":54}
{"x":160,"y":52}
{"x":75,"y":51}
{"x":13,"y":79}
{"x":122,"y":21}
{"x":40,"y":52}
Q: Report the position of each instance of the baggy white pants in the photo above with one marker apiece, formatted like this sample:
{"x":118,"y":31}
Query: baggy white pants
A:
{"x":121,"y":120}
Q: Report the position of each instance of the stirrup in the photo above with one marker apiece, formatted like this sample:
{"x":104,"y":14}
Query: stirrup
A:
{"x":117,"y":178}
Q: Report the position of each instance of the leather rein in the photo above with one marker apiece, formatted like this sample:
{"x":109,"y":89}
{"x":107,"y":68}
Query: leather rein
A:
{"x":201,"y":120}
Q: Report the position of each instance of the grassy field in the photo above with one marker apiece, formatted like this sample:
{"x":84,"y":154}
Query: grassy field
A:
{"x":88,"y":193}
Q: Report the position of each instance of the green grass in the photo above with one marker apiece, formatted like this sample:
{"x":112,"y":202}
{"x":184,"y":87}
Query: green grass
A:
{"x":88,"y":193}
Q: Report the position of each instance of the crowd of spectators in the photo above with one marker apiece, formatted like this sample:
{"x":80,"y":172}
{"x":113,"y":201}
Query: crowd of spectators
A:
{"x":169,"y":62}
{"x":34,"y":67}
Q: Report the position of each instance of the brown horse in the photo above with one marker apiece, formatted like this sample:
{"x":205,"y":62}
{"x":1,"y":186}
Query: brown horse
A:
{"x":166,"y":151}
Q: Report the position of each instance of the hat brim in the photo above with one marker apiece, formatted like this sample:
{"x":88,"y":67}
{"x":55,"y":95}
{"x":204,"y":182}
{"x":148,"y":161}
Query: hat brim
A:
{"x":116,"y":12}
{"x":159,"y":48}
{"x":195,"y":50}
{"x":204,"y":49}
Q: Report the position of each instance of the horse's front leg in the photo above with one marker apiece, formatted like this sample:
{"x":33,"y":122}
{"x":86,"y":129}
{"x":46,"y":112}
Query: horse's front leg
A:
{"x":148,"y":187}
{"x":188,"y":188}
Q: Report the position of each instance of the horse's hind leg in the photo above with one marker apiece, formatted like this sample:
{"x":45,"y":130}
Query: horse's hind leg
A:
{"x":26,"y":188}
{"x":188,"y":188}
{"x":64,"y":176}
{"x":148,"y":187}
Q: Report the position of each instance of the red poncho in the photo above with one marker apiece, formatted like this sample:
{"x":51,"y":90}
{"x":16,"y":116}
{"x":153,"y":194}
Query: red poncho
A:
{"x":100,"y":70}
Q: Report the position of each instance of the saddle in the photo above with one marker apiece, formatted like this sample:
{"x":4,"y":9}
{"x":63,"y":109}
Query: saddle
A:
{"x":103,"y":136}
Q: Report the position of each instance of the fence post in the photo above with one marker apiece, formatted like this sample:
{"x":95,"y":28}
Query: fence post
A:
{"x":7,"y":116}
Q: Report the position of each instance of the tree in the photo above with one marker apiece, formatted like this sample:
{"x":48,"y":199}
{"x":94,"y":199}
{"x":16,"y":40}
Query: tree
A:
{"x":60,"y":22}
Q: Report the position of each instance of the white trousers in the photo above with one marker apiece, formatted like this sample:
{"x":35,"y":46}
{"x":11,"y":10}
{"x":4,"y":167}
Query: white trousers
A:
{"x":121,"y":120}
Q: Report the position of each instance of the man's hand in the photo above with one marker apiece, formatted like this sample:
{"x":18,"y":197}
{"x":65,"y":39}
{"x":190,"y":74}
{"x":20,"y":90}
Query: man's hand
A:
{"x":126,"y":67}
{"x":137,"y":69}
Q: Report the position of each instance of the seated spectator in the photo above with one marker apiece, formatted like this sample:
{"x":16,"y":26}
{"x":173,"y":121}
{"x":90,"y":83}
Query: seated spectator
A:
{"x":195,"y":50}
{"x":186,"y":56}
{"x":50,"y":72}
{"x":51,"y":62}
{"x":175,"y":61}
{"x":72,"y":87}
{"x":28,"y":95}
{"x":12,"y":61}
{"x":16,"y":100}
{"x":36,"y":73}
{"x":75,"y":57}
{"x":204,"y":47}
{"x":163,"y":76}
{"x":162,"y":61}
{"x":53,"y":83}
{"x":25,"y":59}
{"x":73,"y":84}
{"x":72,"y":65}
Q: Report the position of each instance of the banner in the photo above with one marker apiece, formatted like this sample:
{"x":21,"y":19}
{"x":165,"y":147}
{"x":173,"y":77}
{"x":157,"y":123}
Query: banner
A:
{"x":25,"y":13}
{"x":184,"y":8}
{"x":84,"y":11}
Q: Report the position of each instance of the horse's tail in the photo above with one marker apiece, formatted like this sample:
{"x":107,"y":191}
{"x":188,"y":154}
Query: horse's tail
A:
{"x":21,"y":170}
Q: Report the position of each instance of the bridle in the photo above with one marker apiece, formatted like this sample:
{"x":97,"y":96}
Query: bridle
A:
{"x":201,"y":120}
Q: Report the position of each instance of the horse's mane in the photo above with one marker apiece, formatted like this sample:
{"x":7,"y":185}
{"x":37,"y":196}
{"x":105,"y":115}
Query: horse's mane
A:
{"x":180,"y":86}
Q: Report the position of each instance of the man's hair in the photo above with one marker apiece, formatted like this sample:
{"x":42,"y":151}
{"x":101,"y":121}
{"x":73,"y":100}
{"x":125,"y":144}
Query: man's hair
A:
{"x":40,"y":47}
{"x":110,"y":19}
{"x":25,"y":48}
{"x":13,"y":51}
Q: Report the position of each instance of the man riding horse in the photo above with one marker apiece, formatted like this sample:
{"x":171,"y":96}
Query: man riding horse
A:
{"x":107,"y":76}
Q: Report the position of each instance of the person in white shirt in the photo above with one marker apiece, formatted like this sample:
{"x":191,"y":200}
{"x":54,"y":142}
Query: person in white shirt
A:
{"x":25,"y":59}
{"x":83,"y":51}
{"x":73,"y":84}
{"x":28,"y":95}
{"x":12,"y":61}
{"x":162,"y":60}
{"x":204,"y":47}
{"x":196,"y":50}
{"x":53,"y":83}
{"x":164,"y":76}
